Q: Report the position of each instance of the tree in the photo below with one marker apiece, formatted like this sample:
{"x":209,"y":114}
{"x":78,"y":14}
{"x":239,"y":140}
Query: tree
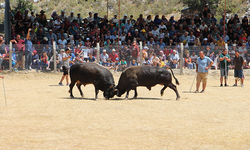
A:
{"x":22,"y":5}
{"x":198,"y":5}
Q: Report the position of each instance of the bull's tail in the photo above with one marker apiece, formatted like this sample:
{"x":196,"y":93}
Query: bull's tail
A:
{"x":176,"y":81}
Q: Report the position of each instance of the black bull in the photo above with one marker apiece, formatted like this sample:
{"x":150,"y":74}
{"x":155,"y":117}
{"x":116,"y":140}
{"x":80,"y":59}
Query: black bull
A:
{"x":91,"y":73}
{"x":144,"y":76}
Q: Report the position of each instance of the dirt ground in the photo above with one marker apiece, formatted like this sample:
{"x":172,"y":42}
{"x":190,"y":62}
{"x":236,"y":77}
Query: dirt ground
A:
{"x":40,"y":115}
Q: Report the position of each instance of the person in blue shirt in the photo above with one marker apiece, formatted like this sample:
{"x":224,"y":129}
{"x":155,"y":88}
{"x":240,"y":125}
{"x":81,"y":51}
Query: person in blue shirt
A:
{"x":203,"y":63}
{"x":134,"y":63}
{"x":28,"y":50}
{"x":91,"y":58}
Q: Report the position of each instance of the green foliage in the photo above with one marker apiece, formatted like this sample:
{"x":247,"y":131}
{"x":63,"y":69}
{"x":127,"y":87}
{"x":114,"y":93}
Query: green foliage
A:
{"x":21,"y":5}
{"x":198,"y":5}
{"x":231,"y":7}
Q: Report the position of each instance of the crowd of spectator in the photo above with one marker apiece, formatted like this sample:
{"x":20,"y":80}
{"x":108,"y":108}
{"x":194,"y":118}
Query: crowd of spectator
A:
{"x":119,"y":39}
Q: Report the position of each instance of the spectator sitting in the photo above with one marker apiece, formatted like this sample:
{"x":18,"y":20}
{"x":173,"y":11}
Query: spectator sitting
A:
{"x":147,"y":62}
{"x":193,"y":59}
{"x":134,"y":62}
{"x":108,"y":64}
{"x":123,"y":64}
{"x":113,"y":56}
{"x":91,"y":58}
{"x":44,"y":61}
{"x":35,"y":60}
{"x":188,"y":61}
{"x":155,"y":60}
{"x":78,"y":59}
{"x":174,"y":59}
{"x":116,"y":65}
{"x":103,"y":57}
{"x":161,"y":62}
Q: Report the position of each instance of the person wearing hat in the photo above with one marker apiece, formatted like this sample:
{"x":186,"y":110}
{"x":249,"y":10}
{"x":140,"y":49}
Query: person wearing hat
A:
{"x":42,"y":14}
{"x":116,"y":65}
{"x":51,"y":35}
{"x":143,"y":35}
{"x":62,"y":16}
{"x":103,"y":57}
{"x":71,"y":17}
{"x":65,"y":58}
{"x":113,"y":55}
{"x":205,"y":43}
{"x":79,"y":18}
{"x":124,"y":19}
{"x":114,"y":20}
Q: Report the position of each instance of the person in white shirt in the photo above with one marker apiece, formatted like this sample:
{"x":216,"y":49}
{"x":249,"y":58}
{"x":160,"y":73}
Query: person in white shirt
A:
{"x":115,"y":20}
{"x":62,"y":41}
{"x":71,"y":17}
{"x":90,"y":18}
{"x":202,"y":26}
{"x":57,"y":23}
{"x":155,"y":31}
{"x":103,"y":58}
{"x":162,"y":26}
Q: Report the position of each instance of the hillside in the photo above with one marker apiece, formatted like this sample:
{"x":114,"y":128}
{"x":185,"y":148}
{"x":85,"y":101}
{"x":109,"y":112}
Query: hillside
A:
{"x":135,"y":7}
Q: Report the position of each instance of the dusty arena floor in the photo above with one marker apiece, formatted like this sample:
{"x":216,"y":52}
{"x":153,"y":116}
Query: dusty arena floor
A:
{"x":40,"y":115}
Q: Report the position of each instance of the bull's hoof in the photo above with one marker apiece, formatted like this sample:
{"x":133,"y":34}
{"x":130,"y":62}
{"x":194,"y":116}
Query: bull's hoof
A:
{"x":106,"y":98}
{"x":134,"y":97}
{"x":72,"y":97}
{"x":126,"y":98}
{"x":178,"y":98}
{"x":96,"y":99}
{"x":82,"y":96}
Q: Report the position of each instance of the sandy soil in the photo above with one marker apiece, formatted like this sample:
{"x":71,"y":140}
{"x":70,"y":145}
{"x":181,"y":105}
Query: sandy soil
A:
{"x":40,"y":115}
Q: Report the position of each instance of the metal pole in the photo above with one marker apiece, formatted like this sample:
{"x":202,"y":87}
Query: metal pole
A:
{"x":226,"y":46}
{"x":141,"y":61}
{"x":10,"y":58}
{"x":181,"y":62}
{"x":98,"y":53}
{"x":54,"y":56}
{"x":108,"y":9}
{"x":224,"y":28}
{"x":7,"y":26}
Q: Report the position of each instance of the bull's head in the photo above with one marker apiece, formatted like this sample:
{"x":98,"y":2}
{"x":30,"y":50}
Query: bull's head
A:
{"x":110,"y":92}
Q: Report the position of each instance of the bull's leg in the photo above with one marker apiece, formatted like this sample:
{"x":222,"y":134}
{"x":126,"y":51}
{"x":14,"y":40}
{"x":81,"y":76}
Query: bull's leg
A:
{"x":162,"y":90}
{"x":79,"y":88}
{"x":97,"y":85}
{"x":135,"y":96}
{"x":132,"y":86}
{"x":172,"y":86}
{"x":71,"y":88}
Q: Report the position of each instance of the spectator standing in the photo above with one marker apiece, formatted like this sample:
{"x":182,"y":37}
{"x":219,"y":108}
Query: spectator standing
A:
{"x":135,"y":51}
{"x":238,"y":70}
{"x":202,"y":70}
{"x":28,"y":51}
{"x":188,"y":61}
{"x":65,"y":57}
{"x":224,"y":63}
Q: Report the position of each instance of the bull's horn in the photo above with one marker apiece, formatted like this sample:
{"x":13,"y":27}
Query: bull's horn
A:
{"x":115,"y":90}
{"x":111,"y":86}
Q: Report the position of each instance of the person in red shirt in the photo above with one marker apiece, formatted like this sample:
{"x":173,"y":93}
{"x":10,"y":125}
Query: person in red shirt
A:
{"x":2,"y":77}
{"x":113,"y":56}
{"x":242,"y":37}
{"x":135,"y":51}
{"x":19,"y":48}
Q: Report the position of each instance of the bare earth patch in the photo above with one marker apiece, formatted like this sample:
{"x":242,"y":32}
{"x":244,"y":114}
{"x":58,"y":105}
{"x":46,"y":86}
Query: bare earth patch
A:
{"x":41,"y":115}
